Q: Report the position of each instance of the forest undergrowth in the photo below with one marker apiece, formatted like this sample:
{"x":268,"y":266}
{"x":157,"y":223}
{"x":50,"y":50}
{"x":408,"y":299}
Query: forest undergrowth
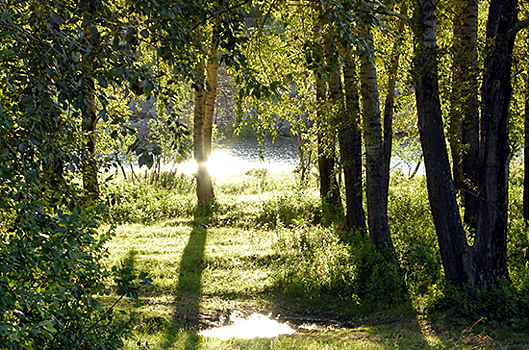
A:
{"x":261,"y":247}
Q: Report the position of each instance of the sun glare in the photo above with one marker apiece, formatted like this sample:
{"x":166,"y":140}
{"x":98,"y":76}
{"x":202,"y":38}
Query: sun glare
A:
{"x":222,"y":163}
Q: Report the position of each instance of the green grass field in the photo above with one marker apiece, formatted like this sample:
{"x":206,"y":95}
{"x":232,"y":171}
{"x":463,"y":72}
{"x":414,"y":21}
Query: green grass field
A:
{"x":261,"y":249}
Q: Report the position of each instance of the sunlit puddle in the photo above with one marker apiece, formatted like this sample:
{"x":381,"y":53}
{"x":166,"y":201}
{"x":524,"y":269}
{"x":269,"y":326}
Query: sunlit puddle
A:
{"x":255,"y":326}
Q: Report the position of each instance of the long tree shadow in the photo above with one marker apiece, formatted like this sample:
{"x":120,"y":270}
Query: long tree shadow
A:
{"x":189,"y":290}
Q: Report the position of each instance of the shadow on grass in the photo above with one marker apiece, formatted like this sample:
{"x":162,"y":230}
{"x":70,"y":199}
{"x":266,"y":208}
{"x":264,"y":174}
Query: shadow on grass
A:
{"x":189,"y":290}
{"x":399,"y":330}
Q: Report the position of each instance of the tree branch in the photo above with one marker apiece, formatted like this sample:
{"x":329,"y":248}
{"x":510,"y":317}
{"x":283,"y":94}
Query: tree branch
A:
{"x":516,"y":73}
{"x":398,"y":15}
{"x":521,"y":25}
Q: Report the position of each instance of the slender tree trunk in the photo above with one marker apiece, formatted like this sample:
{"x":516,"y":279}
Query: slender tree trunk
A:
{"x":464,"y":109}
{"x":441,"y":193}
{"x":204,"y":183}
{"x":354,"y":218}
{"x":377,"y":200}
{"x":526,"y":154}
{"x":490,"y":247}
{"x":211,"y":95}
{"x":89,"y":129}
{"x":329,"y":189}
{"x":389,"y":104}
{"x":351,"y":149}
{"x":89,"y":123}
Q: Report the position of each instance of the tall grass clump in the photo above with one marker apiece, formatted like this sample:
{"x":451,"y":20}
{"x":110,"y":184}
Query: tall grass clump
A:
{"x":259,"y":198}
{"x":318,"y":267}
{"x":258,"y":182}
{"x":148,"y":200}
{"x":414,"y":236}
{"x":315,"y":265}
{"x":290,"y":208}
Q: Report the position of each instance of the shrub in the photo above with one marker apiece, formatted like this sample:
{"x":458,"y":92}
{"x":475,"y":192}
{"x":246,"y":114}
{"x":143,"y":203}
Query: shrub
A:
{"x":501,"y":304}
{"x":378,"y":280}
{"x":50,"y":277}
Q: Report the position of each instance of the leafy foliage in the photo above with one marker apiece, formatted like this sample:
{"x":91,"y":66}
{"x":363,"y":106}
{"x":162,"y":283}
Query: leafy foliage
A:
{"x":501,"y":304}
{"x":378,"y":282}
{"x":53,"y":57}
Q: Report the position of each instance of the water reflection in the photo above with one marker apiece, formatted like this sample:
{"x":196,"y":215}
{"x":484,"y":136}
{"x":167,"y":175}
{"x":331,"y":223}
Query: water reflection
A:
{"x":255,"y":326}
{"x":241,"y":155}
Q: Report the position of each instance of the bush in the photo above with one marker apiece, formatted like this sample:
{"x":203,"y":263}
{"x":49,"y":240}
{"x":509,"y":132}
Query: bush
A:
{"x":51,"y":254}
{"x":501,"y":304}
{"x":378,"y":280}
{"x":50,"y":277}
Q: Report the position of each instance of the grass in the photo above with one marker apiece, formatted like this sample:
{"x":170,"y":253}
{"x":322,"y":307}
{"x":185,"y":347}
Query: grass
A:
{"x":262,"y":249}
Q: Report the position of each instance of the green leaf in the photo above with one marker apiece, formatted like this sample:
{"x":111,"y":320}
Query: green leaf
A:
{"x":144,"y":33}
{"x":48,"y":325}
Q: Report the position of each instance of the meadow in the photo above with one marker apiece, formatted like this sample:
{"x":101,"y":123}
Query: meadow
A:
{"x":261,"y":247}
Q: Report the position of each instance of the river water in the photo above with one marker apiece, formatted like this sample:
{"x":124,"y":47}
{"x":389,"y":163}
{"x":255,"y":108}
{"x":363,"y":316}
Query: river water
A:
{"x":282,"y":154}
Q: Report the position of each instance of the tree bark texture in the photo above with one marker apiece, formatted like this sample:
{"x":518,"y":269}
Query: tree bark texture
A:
{"x":377,"y":200}
{"x":89,"y":130}
{"x":464,"y":109}
{"x":450,"y":233}
{"x":490,"y":246}
{"x":351,"y":149}
{"x":204,"y":183}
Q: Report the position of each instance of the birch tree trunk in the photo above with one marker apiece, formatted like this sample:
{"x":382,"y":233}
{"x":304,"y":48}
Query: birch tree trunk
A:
{"x":526,"y":154}
{"x":90,"y":168}
{"x":377,"y":200}
{"x":211,"y":95}
{"x":329,"y":189}
{"x":389,"y":104}
{"x":204,"y":184}
{"x":351,"y":149}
